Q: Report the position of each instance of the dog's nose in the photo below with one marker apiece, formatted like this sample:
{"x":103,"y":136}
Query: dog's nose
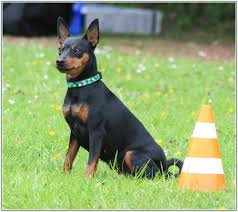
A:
{"x":59,"y":62}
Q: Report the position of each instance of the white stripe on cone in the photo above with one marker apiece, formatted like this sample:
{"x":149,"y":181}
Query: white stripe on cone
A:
{"x":202,"y":165}
{"x":205,"y":130}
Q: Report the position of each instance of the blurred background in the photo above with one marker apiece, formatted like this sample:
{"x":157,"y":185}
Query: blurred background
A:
{"x":160,"y":28}
{"x":164,"y":19}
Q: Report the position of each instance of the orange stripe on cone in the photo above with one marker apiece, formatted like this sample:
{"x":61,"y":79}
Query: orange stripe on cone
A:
{"x":202,"y":182}
{"x":202,"y":169}
{"x":206,"y":114}
{"x":202,"y":147}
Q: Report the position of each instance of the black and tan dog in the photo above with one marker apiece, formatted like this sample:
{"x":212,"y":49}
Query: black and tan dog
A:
{"x":99,"y":122}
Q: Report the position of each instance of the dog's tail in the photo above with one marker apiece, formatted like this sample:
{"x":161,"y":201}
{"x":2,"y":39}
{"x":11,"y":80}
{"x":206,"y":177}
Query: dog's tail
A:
{"x":176,"y":162}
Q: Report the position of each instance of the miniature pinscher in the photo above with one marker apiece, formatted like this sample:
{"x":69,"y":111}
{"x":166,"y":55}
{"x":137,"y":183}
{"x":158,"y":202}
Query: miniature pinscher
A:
{"x":99,"y":122}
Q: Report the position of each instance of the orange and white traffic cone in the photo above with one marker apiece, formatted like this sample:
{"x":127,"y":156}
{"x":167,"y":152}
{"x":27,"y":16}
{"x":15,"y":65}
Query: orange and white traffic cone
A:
{"x":202,"y":169}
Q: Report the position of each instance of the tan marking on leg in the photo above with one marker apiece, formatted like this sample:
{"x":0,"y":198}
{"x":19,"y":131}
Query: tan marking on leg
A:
{"x":71,"y":154}
{"x":91,"y":169}
{"x":128,"y":160}
{"x":81,"y":111}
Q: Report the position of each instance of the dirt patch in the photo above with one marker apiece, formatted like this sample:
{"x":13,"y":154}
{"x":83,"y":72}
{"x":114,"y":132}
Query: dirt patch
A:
{"x":168,"y":48}
{"x":21,"y":41}
{"x":150,"y":47}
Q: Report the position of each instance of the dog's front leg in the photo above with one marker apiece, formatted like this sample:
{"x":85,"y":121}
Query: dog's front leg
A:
{"x":71,"y":153}
{"x":96,"y":135}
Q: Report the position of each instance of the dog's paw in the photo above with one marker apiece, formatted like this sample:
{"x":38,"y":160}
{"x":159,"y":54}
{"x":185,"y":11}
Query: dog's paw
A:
{"x":89,"y":172}
{"x":67,"y":168}
{"x":66,"y":171}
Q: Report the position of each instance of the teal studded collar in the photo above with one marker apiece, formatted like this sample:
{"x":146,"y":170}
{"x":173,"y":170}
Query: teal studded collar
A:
{"x":87,"y":81}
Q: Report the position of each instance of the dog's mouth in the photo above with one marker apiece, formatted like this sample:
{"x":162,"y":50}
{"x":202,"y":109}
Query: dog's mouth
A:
{"x":64,"y":69}
{"x":70,"y":72}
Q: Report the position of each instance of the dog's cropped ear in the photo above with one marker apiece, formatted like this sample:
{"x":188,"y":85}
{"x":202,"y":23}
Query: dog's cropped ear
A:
{"x":62,"y":30}
{"x":92,"y":34}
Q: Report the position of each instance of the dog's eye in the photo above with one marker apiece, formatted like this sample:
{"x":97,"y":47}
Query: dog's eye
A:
{"x":78,"y":52}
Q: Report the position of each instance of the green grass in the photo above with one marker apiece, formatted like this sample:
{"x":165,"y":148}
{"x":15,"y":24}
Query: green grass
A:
{"x":33,"y":175}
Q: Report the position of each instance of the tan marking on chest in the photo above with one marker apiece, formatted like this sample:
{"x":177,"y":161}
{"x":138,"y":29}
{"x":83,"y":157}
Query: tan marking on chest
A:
{"x":66,"y":110}
{"x":81,"y":111}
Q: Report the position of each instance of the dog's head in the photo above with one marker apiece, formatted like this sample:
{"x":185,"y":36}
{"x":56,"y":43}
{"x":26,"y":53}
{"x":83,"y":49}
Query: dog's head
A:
{"x":76,"y":53}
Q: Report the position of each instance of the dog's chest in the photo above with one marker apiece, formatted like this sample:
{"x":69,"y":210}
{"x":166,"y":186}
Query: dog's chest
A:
{"x":77,"y":112}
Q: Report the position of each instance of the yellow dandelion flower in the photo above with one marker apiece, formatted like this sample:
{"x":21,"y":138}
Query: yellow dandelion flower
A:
{"x":231,"y":110}
{"x":162,"y":114}
{"x":52,"y":106}
{"x":147,"y":77}
{"x":171,"y":90}
{"x":14,"y":91}
{"x":51,"y":133}
{"x":57,"y":155}
{"x":118,"y":70}
{"x":146,"y":96}
{"x":29,"y":72}
{"x":221,"y":208}
{"x":177,"y":153}
{"x":128,"y":77}
{"x":55,"y":94}
{"x":58,"y":108}
{"x":159,"y":141}
{"x":193,"y":113}
{"x":158,"y":93}
{"x":38,"y":62}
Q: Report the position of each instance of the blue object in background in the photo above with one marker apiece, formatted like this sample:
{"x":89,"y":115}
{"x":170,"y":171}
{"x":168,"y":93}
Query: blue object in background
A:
{"x":76,"y":24}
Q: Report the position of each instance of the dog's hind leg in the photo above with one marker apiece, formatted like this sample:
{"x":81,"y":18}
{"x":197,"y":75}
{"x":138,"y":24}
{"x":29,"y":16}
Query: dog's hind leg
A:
{"x":140,"y":164}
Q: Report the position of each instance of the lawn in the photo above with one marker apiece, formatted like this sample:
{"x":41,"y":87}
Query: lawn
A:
{"x":164,"y":93}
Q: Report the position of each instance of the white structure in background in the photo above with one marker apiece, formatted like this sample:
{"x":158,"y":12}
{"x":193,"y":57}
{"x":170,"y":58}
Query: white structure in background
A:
{"x":123,"y":20}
